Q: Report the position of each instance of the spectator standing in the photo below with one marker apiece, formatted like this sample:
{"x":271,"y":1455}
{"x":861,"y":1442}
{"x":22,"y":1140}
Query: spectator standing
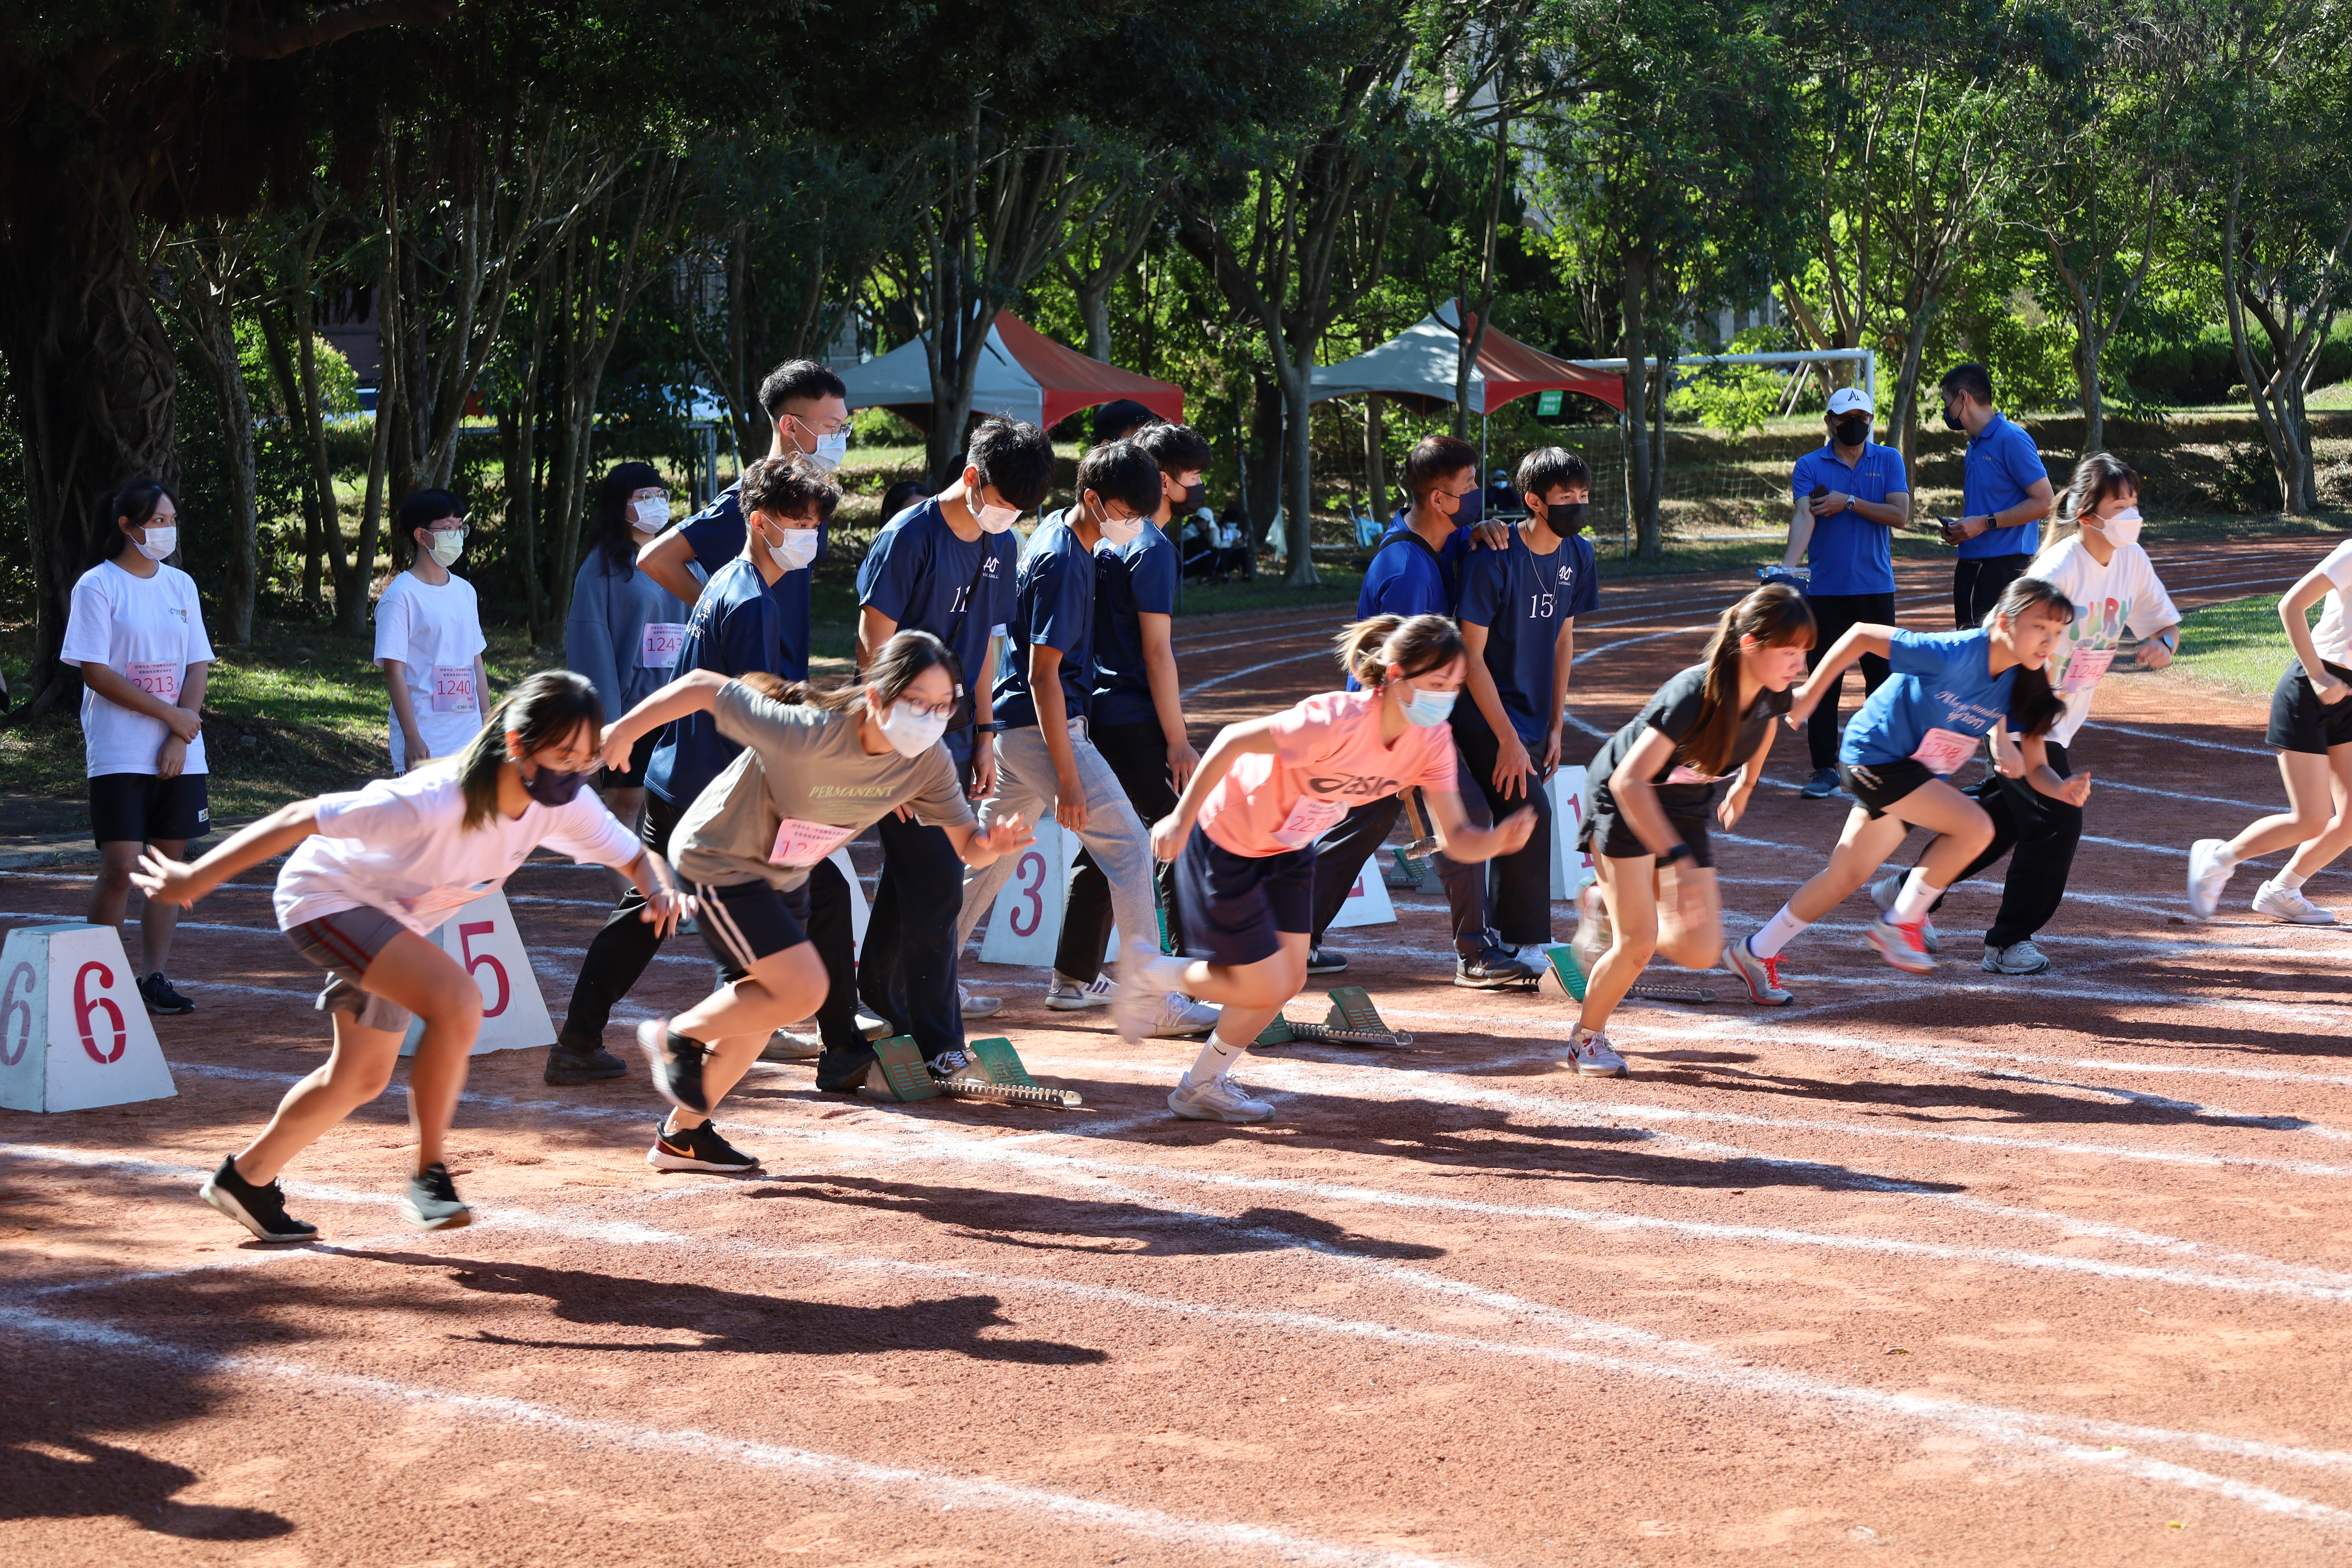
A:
{"x":428,"y":635}
{"x":2005,"y":492}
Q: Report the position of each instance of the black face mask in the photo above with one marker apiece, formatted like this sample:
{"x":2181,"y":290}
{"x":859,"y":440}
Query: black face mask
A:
{"x":1953,"y":421}
{"x":1194,"y":494}
{"x":1853,"y":432}
{"x":1566,"y":518}
{"x":550,"y":787}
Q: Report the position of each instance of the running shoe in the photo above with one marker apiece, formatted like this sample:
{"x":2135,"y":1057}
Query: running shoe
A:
{"x":697,"y":1149}
{"x":568,"y":1067}
{"x":873,"y":1029}
{"x":677,"y":1062}
{"x":2288,"y":904}
{"x":432,"y":1203}
{"x":1219,"y":1100}
{"x":1180,"y":1015}
{"x":978,"y":1006}
{"x":792,"y":1046}
{"x":259,"y":1207}
{"x":1822,"y":785}
{"x":949,"y":1063}
{"x":1323,"y":960}
{"x":1889,"y":888}
{"x":1762,"y":975}
{"x":2017,"y":958}
{"x":1492,"y":970}
{"x":1135,"y":1006}
{"x":2208,"y":873}
{"x":160,"y":999}
{"x":1900,"y":945}
{"x":1069,"y":996}
{"x":1590,"y":1057}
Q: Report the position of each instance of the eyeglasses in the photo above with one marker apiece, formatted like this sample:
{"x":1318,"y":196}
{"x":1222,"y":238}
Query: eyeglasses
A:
{"x":460,"y":526}
{"x":838,"y":427}
{"x":929,"y":709}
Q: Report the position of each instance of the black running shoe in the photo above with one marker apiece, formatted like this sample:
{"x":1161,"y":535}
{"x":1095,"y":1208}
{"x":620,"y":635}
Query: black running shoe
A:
{"x":697,"y":1149}
{"x":677,"y":1062}
{"x":1494,"y":968}
{"x":947,"y":1064}
{"x":160,"y":999}
{"x":567,"y":1067}
{"x":433,"y":1202}
{"x":1323,"y":960}
{"x":260,"y":1208}
{"x":1822,"y":785}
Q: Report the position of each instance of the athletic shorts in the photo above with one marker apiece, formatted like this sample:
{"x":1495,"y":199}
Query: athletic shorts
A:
{"x":345,"y":944}
{"x":2300,"y":722}
{"x":640,"y":755}
{"x":140,"y":808}
{"x":1878,"y":786}
{"x":1610,"y":835}
{"x":743,"y":922}
{"x":1234,"y":908}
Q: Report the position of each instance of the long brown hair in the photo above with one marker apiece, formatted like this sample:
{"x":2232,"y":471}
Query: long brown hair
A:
{"x":2034,"y":707}
{"x":906,"y":655}
{"x":544,"y":710}
{"x":1415,"y":644}
{"x":1776,"y":615}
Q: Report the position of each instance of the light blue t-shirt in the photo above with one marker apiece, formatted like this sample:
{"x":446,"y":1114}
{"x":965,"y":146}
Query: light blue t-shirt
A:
{"x":1848,"y":552}
{"x":2001,"y":466}
{"x":1941,"y":703}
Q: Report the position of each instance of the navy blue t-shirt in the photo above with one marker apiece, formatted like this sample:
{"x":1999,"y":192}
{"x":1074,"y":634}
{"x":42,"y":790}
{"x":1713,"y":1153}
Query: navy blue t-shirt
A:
{"x":922,"y":576}
{"x":733,"y":630}
{"x":1054,"y":607}
{"x":1521,"y":598}
{"x":716,"y":535}
{"x":1131,"y":580}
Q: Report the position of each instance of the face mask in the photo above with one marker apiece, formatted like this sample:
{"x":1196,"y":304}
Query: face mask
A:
{"x":552,"y":787}
{"x":1853,"y":432}
{"x":1427,"y":709}
{"x":1119,"y":530}
{"x":1566,"y":518}
{"x":995,"y":519}
{"x":159,"y":543}
{"x":911,"y":731}
{"x":649,"y":516}
{"x":830,"y":450}
{"x":1953,"y":421}
{"x":797,"y":550}
{"x":1195,"y":493}
{"x":2121,"y":529}
{"x":448,"y":545}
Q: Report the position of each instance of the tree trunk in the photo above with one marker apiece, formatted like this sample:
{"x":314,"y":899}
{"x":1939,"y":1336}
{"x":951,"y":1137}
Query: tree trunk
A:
{"x":1298,"y":458}
{"x":1376,"y":465}
{"x":355,"y":581}
{"x":1641,"y":495}
{"x":1262,"y":494}
{"x":1904,"y":418}
{"x":302,"y":421}
{"x":240,"y":580}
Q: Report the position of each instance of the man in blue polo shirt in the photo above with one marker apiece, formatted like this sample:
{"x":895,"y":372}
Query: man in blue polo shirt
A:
{"x":1845,"y":530}
{"x":2005,"y":493}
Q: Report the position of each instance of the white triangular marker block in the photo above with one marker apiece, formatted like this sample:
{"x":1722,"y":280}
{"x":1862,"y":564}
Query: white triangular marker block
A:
{"x":859,"y":915}
{"x":1368,"y":902}
{"x":481,"y":936}
{"x":1025,"y":925}
{"x":1570,"y":868}
{"x":73,"y":1033}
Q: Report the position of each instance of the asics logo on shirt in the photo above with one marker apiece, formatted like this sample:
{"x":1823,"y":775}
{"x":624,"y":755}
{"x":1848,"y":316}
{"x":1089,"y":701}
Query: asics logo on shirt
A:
{"x":1366,"y":784}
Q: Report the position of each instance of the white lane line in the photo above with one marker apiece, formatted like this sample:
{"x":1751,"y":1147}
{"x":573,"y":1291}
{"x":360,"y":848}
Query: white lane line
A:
{"x":947,"y":1490}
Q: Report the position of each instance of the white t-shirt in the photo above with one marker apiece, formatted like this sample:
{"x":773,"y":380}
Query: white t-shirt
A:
{"x":2122,"y":597}
{"x":434,"y":633}
{"x":2331,"y":636}
{"x":400,"y":846}
{"x":148,"y":630}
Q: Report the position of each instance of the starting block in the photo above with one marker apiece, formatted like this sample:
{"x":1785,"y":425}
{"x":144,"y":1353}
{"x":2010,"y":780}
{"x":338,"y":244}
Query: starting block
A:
{"x":993,"y":1073}
{"x":74,"y":1034}
{"x":481,"y":936}
{"x":1563,"y":976}
{"x":1407,"y":874}
{"x":1352,"y":1021}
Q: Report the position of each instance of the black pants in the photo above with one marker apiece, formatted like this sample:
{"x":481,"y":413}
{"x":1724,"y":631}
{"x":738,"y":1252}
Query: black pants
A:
{"x":1138,"y":753}
{"x":1340,"y":854}
{"x":2041,"y":833}
{"x":907,"y":977}
{"x":1833,"y":614}
{"x":1507,"y":898}
{"x":619,"y":952}
{"x":1978,"y":585}
{"x":832,"y":930}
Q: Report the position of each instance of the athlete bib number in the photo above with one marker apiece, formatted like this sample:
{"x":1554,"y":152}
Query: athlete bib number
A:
{"x":1945,"y":750}
{"x":448,"y":895}
{"x":2082,"y":671}
{"x":1684,"y":773}
{"x":664,"y":641}
{"x":155,"y":680}
{"x":1308,"y":821}
{"x":802,"y":843}
{"x":453,"y":688}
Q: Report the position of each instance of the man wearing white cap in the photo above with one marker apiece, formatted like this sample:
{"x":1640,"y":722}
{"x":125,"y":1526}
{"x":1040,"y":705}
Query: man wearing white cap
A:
{"x":1850,"y":495}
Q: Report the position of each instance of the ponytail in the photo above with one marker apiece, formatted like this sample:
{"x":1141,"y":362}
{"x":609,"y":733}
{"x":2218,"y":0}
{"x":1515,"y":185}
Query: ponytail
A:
{"x":1415,"y":644}
{"x":2033,"y":706}
{"x":543,"y":712}
{"x":1776,"y":615}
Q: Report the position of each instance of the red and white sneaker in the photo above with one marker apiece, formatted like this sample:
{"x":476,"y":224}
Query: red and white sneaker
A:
{"x":1761,"y":975}
{"x":1904,"y":946}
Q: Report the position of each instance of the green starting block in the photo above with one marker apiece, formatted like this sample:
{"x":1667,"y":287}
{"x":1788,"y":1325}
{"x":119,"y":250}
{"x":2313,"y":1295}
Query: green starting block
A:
{"x":995,"y":1073}
{"x":898,"y":1072}
{"x":1352,"y":1021}
{"x":1407,"y":874}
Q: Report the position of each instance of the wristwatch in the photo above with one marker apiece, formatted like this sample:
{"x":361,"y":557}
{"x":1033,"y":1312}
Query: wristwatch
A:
{"x":1679,"y":852}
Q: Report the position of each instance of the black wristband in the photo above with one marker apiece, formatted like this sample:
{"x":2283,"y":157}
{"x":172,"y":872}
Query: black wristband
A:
{"x":1679,"y":852}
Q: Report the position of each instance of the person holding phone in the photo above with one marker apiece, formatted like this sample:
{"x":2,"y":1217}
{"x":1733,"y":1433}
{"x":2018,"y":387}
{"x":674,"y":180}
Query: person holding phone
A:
{"x":2005,"y":492}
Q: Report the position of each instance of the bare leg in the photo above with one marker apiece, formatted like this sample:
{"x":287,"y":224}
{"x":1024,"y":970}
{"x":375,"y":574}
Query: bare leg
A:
{"x":2317,"y":854}
{"x":158,"y":920}
{"x":736,"y":1020}
{"x":110,"y":893}
{"x":1961,"y":827}
{"x":1690,"y":916}
{"x":357,"y":1071}
{"x":1251,"y":994}
{"x":1628,"y":886}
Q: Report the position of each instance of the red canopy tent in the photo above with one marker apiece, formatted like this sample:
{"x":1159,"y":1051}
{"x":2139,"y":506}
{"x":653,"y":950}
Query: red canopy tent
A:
{"x":1070,"y":381}
{"x":1416,"y":368}
{"x":1022,"y":373}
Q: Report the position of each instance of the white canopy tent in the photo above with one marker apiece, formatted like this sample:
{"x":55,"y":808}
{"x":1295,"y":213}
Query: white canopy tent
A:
{"x":902,"y":379}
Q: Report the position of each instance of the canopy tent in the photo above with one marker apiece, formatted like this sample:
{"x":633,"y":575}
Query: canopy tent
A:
{"x":1416,"y":368}
{"x":1024,"y":375}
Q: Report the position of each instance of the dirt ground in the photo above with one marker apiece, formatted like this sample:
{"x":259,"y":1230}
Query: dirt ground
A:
{"x":1950,"y":1270}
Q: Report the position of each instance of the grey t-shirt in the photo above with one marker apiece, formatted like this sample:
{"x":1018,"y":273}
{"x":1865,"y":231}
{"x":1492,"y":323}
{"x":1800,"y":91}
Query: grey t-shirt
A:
{"x":803,"y":786}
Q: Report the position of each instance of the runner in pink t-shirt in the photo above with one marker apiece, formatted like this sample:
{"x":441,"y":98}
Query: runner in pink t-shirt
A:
{"x":1243,"y":838}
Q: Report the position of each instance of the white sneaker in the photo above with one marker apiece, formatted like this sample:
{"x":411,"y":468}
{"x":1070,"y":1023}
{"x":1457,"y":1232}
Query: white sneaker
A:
{"x":1135,"y":1004}
{"x":2017,"y":958}
{"x":792,"y":1046}
{"x":977,"y":1007}
{"x":871,"y":1027}
{"x":2289,"y":904}
{"x":2208,"y":875}
{"x":1590,"y":1056}
{"x":1889,"y":888}
{"x":1069,"y":996}
{"x":1180,"y":1015}
{"x":1219,"y":1100}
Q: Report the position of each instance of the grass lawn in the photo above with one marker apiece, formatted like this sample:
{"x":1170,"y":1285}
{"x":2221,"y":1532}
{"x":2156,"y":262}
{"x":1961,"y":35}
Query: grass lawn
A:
{"x":2238,"y":646}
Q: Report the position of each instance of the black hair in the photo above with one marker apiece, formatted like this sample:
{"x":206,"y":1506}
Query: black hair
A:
{"x":423,"y":509}
{"x":892,"y":669}
{"x":800,"y":378}
{"x":1121,"y":471}
{"x":786,"y":486}
{"x":2097,"y":477}
{"x":2034,"y":707}
{"x":1119,"y":418}
{"x":544,"y":710}
{"x":1546,"y":468}
{"x":1972,"y":378}
{"x":1015,"y":460}
{"x":609,"y":531}
{"x":135,"y":500}
{"x":1437,"y":458}
{"x":1177,"y":449}
{"x":901,"y":496}
{"x":1776,"y":615}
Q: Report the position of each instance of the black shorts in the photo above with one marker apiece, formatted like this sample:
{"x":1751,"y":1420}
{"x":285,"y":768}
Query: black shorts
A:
{"x":743,"y":922}
{"x":1610,"y":835}
{"x":1878,"y":785}
{"x":1234,"y":908}
{"x":2300,"y":722}
{"x":639,"y":755}
{"x":140,"y":808}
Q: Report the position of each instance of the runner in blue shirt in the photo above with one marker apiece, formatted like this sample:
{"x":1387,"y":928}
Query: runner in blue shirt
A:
{"x":2005,"y":492}
{"x":1844,"y":533}
{"x":1949,"y":691}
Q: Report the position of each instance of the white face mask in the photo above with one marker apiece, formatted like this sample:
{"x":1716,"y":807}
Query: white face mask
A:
{"x":995,"y":519}
{"x":830,"y":450}
{"x":797,"y":550}
{"x":911,"y":731}
{"x":1427,"y":709}
{"x":2121,"y":529}
{"x":159,"y":543}
{"x":448,"y":546}
{"x":1120,"y":531}
{"x":649,"y":516}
